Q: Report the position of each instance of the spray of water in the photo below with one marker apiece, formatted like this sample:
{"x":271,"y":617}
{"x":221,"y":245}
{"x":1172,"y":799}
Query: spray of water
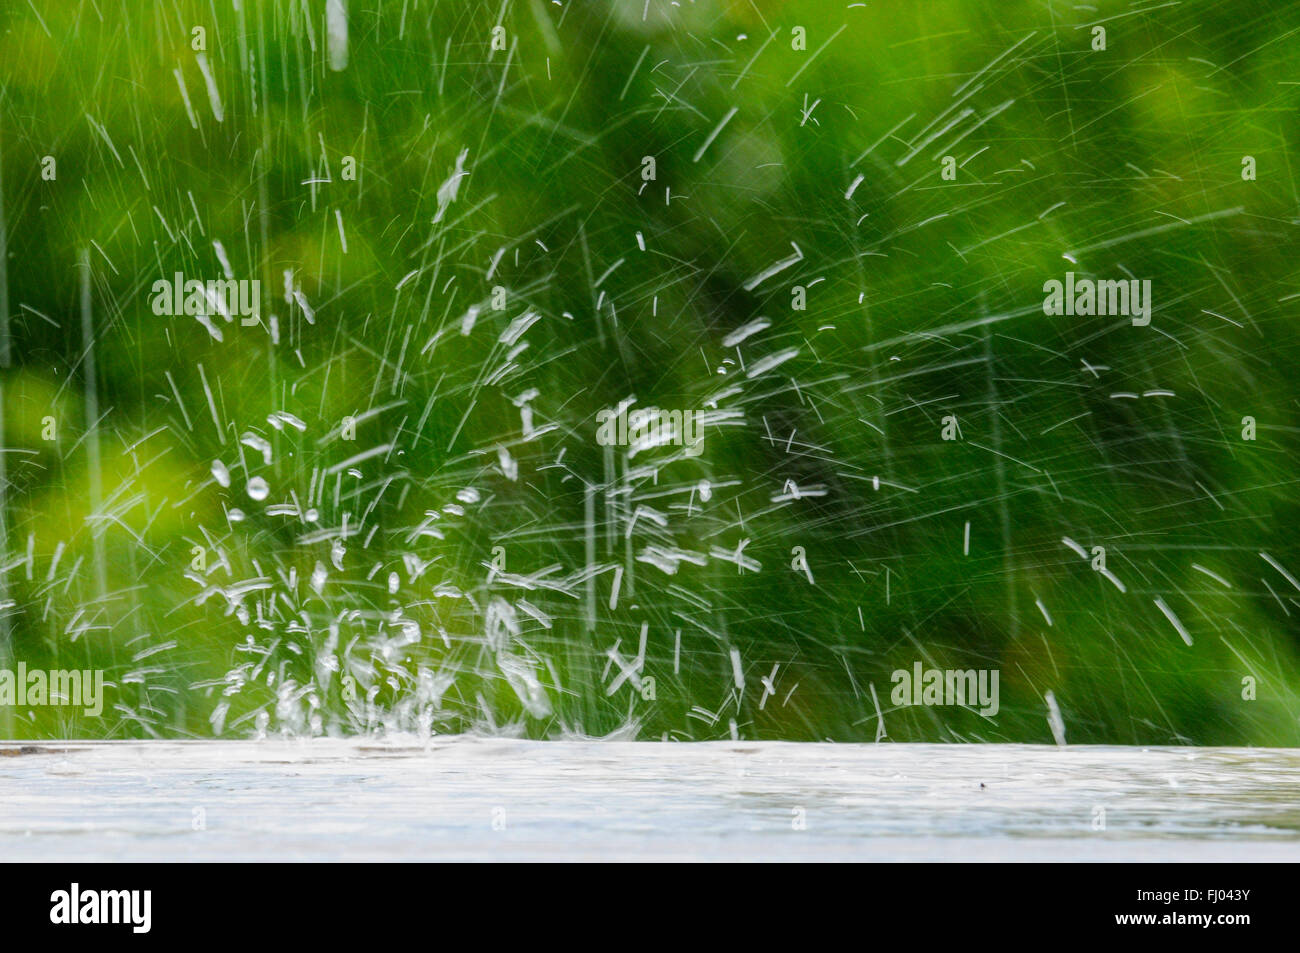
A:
{"x":793,"y":259}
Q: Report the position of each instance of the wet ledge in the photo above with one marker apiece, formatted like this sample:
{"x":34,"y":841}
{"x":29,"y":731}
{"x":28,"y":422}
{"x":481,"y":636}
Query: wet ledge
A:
{"x":500,"y":799}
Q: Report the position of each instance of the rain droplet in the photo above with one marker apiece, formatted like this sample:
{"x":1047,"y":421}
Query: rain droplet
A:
{"x":281,"y":417}
{"x":257,"y":489}
{"x":509,"y":465}
{"x":220,"y":473}
{"x":468,"y":495}
{"x":260,"y":444}
{"x":705,"y":490}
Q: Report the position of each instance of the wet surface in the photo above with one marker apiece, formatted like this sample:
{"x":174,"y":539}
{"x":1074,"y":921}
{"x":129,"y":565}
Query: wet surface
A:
{"x":495,"y":799}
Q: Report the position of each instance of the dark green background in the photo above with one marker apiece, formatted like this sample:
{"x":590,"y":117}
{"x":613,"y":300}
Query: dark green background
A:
{"x":923,"y":300}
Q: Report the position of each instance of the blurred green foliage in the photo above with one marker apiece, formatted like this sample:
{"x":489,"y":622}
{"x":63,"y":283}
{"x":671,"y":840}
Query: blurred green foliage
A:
{"x":924,"y":300}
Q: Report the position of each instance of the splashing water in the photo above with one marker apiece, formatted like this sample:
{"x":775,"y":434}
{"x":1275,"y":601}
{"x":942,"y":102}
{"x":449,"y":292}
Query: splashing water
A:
{"x":661,"y":369}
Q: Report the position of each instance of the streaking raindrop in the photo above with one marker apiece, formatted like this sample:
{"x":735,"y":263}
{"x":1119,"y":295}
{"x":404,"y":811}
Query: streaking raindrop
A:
{"x":260,"y":444}
{"x":318,"y":578}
